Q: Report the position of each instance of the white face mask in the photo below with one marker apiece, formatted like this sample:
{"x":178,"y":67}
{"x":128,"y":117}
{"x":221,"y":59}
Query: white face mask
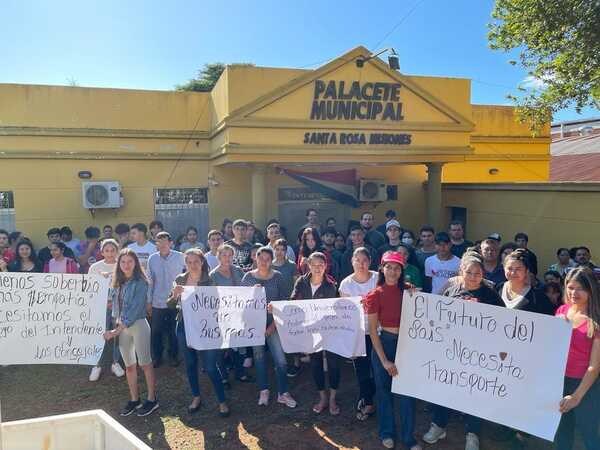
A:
{"x":407,"y":240}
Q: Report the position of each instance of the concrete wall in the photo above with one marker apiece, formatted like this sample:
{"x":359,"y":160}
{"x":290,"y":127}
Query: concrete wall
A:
{"x":552,"y":214}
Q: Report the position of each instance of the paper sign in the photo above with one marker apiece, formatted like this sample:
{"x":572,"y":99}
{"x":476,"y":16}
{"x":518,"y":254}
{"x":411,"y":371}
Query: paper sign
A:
{"x":51,"y":318}
{"x":224,"y":317}
{"x":496,"y":363}
{"x":308,"y":326}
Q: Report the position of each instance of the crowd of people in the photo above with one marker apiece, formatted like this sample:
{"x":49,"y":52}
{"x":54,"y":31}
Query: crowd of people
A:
{"x":149,"y":269}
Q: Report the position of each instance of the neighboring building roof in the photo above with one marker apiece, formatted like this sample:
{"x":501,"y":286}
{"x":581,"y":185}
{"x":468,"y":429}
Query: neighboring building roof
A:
{"x":575,"y":158}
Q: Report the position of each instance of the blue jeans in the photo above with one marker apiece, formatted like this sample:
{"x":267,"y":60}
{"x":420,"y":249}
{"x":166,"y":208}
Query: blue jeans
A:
{"x":278,"y":360}
{"x":440,"y":418}
{"x":209,"y":361}
{"x":385,"y":397}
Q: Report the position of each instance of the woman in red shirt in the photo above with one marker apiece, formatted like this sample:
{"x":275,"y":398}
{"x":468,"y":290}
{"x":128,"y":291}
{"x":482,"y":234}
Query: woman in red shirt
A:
{"x":582,"y":388}
{"x":383,"y":306}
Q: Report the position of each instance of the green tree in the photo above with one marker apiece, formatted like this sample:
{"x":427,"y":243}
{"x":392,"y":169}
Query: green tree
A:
{"x":207,"y":78}
{"x":559,"y":45}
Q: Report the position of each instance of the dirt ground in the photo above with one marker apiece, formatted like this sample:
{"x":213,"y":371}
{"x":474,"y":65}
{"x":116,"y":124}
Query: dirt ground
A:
{"x":33,"y":391}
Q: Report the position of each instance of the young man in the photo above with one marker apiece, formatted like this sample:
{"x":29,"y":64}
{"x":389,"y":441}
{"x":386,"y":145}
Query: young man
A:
{"x":123,"y":231}
{"x":393,"y":232}
{"x":242,"y":249}
{"x":107,"y":232}
{"x":273,"y":235}
{"x":155,"y":227}
{"x":215,"y":239}
{"x":312,"y":220}
{"x":357,"y":239}
{"x":6,"y":253}
{"x":390,"y":214}
{"x":494,"y":271}
{"x":522,"y":240}
{"x":53,"y":236}
{"x":442,"y":266}
{"x":328,"y":241}
{"x":141,"y":246}
{"x":427,"y":238}
{"x":89,"y":250}
{"x":66,"y":235}
{"x":163,"y":267}
{"x":372,"y":237}
{"x":457,"y":237}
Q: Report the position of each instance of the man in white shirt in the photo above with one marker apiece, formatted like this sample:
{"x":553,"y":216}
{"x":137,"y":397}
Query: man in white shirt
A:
{"x":273,"y":235}
{"x":442,"y":266}
{"x":141,"y":246}
{"x":215,"y":240}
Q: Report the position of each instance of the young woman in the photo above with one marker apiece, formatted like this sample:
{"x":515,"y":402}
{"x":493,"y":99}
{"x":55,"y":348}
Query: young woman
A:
{"x":310,"y":242}
{"x":412,"y":274}
{"x":383,"y":306}
{"x":517,"y":292}
{"x":226,"y":274}
{"x":105,"y":268}
{"x":359,"y":284}
{"x":554,"y":293}
{"x":408,"y":238}
{"x":579,"y":407}
{"x":313,"y":285}
{"x":26,"y":260}
{"x":469,"y":285}
{"x":272,"y":281}
{"x":129,"y":309}
{"x":59,"y":262}
{"x":196,"y":274}
{"x":563,"y":263}
{"x":191,"y":240}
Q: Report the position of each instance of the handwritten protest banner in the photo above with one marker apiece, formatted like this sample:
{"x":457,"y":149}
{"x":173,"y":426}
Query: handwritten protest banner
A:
{"x":224,"y":317}
{"x":503,"y":365}
{"x":334,"y":324}
{"x":48,"y":318}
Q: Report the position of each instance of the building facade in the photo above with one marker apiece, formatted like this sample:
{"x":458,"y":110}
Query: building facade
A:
{"x":197,"y":158}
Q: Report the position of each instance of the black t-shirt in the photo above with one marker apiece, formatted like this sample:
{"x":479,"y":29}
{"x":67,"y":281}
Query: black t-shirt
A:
{"x":484,"y":294}
{"x":44,"y":255}
{"x":241,"y":255}
{"x":460,"y":249}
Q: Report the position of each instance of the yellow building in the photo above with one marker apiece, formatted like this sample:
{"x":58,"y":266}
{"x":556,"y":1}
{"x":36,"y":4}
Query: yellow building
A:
{"x":190,"y":157}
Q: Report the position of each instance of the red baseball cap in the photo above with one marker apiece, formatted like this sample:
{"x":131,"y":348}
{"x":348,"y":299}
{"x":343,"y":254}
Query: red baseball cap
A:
{"x":394,"y":257}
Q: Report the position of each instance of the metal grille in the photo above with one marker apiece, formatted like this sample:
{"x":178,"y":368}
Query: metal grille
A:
{"x":7,"y":210}
{"x":180,"y":208}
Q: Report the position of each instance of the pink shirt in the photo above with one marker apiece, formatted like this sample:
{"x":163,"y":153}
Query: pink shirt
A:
{"x":580,"y":349}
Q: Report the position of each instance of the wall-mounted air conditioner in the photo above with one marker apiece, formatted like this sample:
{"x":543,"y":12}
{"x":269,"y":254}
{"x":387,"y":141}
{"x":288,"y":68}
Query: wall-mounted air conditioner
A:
{"x":101,"y":194}
{"x":371,"y":190}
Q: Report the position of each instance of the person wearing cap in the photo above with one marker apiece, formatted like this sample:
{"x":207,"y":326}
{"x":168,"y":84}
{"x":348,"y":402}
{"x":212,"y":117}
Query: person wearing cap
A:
{"x":469,"y":285}
{"x":442,"y":266}
{"x":163,"y":268}
{"x":393,"y":230}
{"x":494,"y":271}
{"x":390,"y":214}
{"x":383,"y":305}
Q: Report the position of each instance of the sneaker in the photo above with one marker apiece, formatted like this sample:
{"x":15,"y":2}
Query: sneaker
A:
{"x":95,"y":373}
{"x":130,"y":407}
{"x":434,"y":434}
{"x":263,"y":398}
{"x":287,"y":400}
{"x":147,"y":408}
{"x":117,"y":370}
{"x":293,"y":371}
{"x":247,"y":363}
{"x":388,"y":443}
{"x":472,"y":442}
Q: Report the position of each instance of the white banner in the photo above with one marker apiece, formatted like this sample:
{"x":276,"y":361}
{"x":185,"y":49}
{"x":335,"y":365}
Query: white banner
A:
{"x":334,"y":324}
{"x":52,"y":318}
{"x":502,"y":365}
{"x":224,"y":317}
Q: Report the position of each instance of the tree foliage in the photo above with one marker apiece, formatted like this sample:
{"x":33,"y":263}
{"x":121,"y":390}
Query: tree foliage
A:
{"x":206,"y":79}
{"x":559,"y":45}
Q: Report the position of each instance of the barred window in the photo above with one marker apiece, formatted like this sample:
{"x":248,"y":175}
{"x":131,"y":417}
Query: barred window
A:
{"x":181,"y":196}
{"x":7,"y":210}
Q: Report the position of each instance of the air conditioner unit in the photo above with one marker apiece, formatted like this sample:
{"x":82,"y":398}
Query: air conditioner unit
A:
{"x":101,"y":194}
{"x":372,"y":190}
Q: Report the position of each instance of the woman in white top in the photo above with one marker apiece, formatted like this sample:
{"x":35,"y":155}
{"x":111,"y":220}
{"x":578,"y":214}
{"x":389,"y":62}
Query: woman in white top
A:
{"x":106,"y":267}
{"x":359,"y":283}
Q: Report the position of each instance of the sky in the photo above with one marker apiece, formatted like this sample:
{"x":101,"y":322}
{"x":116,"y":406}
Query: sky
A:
{"x":158,"y":44}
